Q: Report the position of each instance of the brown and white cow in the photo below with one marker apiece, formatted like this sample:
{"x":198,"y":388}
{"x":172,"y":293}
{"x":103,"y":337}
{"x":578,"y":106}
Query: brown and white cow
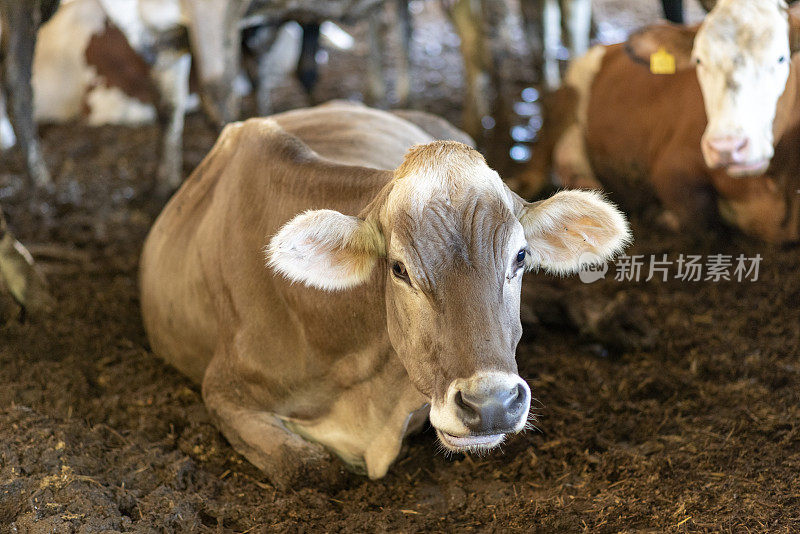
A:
{"x":702,"y":138}
{"x":384,"y":295}
{"x":114,"y":62}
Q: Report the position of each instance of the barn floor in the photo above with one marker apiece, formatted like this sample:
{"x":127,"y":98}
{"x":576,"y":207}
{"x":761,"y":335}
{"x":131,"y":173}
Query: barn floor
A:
{"x":695,"y":429}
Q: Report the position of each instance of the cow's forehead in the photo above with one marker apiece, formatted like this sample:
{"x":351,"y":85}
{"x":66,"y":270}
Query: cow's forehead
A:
{"x":447,"y":207}
{"x":445,"y":172}
{"x":743,"y":30}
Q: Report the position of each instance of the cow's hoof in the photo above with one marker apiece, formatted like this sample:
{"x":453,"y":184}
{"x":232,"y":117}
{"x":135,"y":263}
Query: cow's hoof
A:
{"x":39,"y":174}
{"x":22,"y":279}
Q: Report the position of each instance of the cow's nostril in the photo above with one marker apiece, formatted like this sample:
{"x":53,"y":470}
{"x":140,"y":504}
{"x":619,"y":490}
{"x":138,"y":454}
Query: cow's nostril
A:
{"x":727,"y":146}
{"x":517,"y":400}
{"x":468,"y":411}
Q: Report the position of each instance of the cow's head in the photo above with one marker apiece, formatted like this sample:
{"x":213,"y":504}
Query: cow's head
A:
{"x":742,"y":55}
{"x":451,"y":242}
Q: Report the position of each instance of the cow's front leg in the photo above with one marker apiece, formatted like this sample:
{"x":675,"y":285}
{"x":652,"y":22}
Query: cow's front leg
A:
{"x":260,"y":436}
{"x":20,"y":20}
{"x":687,"y":201}
{"x":171,"y":73}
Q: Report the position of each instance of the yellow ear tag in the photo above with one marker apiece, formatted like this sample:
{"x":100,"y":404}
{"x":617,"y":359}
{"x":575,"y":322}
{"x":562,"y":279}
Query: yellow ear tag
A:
{"x":662,"y":62}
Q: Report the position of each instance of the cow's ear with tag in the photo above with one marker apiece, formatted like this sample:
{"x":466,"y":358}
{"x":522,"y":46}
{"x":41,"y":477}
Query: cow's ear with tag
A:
{"x":663,"y":44}
{"x":326,"y":249}
{"x":572,"y":228}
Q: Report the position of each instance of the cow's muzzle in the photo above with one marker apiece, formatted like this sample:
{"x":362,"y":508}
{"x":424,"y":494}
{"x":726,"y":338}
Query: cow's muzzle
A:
{"x":736,"y":154}
{"x":479,"y":411}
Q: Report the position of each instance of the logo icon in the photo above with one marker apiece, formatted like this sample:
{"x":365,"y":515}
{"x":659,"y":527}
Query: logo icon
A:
{"x":592,"y":268}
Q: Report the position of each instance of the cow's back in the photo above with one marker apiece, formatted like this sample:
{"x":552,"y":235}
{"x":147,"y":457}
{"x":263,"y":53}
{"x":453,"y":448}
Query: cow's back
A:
{"x":639,"y":124}
{"x":202,"y":268}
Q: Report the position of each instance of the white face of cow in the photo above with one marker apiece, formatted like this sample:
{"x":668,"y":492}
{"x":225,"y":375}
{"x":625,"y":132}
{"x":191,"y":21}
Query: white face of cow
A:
{"x":742,"y":55}
{"x":452,"y":243}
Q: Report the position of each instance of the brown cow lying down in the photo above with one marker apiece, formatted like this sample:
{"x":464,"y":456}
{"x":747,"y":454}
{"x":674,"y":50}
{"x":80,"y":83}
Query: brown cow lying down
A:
{"x":617,"y":122}
{"x":327,"y":302}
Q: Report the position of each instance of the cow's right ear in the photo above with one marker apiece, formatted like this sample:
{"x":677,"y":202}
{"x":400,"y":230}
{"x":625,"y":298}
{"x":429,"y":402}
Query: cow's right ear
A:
{"x":675,"y":40}
{"x":326,"y":249}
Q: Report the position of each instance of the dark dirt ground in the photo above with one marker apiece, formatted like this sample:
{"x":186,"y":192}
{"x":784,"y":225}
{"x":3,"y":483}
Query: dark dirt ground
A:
{"x":698,"y":431}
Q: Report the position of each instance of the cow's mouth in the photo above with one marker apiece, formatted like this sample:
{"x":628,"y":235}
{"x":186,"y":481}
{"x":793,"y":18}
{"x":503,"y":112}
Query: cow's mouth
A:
{"x":741,"y":170}
{"x":469,"y":443}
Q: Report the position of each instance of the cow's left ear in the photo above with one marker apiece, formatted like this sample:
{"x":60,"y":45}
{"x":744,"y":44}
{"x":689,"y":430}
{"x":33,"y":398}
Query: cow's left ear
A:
{"x":562,"y":229}
{"x":675,"y":40}
{"x":326,"y":249}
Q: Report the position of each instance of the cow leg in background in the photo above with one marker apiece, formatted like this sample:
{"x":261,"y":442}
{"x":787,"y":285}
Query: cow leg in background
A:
{"x":171,"y":74}
{"x":278,"y":52}
{"x":260,"y":436}
{"x":467,"y":18}
{"x":499,"y":43}
{"x":20,"y":20}
{"x":215,"y":40}
{"x":18,"y":274}
{"x":673,"y":10}
{"x":551,"y":40}
{"x":403,"y":82}
{"x":307,"y":71}
{"x":577,"y":15}
{"x":376,"y":85}
{"x":7,"y":137}
{"x":532,"y":26}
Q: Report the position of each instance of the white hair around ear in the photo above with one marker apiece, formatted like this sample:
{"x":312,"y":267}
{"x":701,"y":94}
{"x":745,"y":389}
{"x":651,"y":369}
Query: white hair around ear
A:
{"x":326,"y":249}
{"x":562,"y":229}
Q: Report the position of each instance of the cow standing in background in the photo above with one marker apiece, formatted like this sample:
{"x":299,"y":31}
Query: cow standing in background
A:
{"x":132,"y":65}
{"x":719,"y":134}
{"x":112,"y":62}
{"x":272,"y":48}
{"x":215,"y":32}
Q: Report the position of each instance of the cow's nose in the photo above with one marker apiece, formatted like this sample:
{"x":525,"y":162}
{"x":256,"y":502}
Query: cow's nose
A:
{"x":726,"y":150}
{"x":493,"y":411}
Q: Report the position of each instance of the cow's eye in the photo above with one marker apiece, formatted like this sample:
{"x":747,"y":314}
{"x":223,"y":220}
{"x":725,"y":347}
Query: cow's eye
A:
{"x":697,"y":61}
{"x":781,"y":59}
{"x":521,"y":257}
{"x":399,"y":271}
